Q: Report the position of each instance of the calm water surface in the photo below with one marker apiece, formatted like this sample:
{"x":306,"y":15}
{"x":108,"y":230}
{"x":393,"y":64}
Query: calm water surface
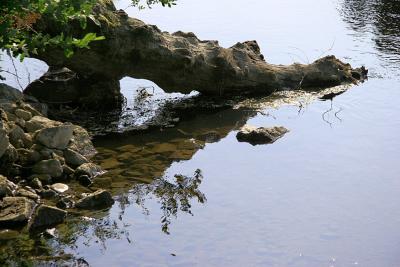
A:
{"x":327,"y":194}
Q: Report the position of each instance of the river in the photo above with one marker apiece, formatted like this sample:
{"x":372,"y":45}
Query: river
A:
{"x":326,"y":194}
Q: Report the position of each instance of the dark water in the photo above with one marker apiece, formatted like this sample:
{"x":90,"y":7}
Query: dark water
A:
{"x":327,"y":194}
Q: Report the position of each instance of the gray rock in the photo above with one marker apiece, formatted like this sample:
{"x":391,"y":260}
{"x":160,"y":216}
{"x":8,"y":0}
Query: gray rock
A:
{"x":59,"y":187}
{"x":262,"y":135}
{"x":51,"y":167}
{"x":23,"y":114}
{"x":15,"y":210}
{"x":9,"y":94}
{"x":36,"y":183}
{"x":97,"y":200}
{"x":47,"y":216}
{"x":89,"y":169}
{"x":55,"y":137}
{"x":73,"y":158}
{"x":4,"y":142}
{"x":82,"y":143}
{"x":40,"y":122}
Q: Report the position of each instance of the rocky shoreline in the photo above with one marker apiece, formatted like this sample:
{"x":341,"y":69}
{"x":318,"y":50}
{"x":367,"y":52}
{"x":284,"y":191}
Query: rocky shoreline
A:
{"x":39,"y":160}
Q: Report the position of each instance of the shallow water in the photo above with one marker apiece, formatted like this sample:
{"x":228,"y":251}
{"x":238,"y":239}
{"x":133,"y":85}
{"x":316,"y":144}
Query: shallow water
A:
{"x":326,"y":194}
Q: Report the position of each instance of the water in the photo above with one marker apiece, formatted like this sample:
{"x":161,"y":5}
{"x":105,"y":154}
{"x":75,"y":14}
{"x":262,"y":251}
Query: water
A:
{"x":326,"y":194}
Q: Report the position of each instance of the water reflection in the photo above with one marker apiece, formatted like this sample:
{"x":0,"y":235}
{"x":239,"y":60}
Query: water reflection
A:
{"x":378,"y":17}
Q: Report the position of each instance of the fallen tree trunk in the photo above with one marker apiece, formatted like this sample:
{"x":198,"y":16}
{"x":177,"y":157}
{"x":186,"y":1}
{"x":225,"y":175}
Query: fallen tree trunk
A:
{"x":178,"y":62}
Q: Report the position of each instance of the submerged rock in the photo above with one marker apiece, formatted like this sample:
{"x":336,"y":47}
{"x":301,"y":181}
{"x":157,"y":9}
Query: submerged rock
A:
{"x":59,"y":187}
{"x":97,"y":200}
{"x":47,"y":216}
{"x":15,"y":210}
{"x":262,"y":135}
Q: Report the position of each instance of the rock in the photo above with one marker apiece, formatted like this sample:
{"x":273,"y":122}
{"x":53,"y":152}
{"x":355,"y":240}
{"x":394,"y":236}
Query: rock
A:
{"x":18,"y":138}
{"x":4,"y":142}
{"x":22,"y":192}
{"x":47,"y":216}
{"x":51,"y":167}
{"x":15,"y":210}
{"x":23,"y":114}
{"x":44,"y":178}
{"x":27,"y":156}
{"x":97,"y":200}
{"x":73,"y":158}
{"x":65,"y":203}
{"x":89,"y":169}
{"x":36,"y":183}
{"x":40,"y":122}
{"x":6,"y":187}
{"x":55,"y":137}
{"x":68,"y":170}
{"x":59,"y":187}
{"x":82,"y":143}
{"x":48,"y":194}
{"x":9,"y":94}
{"x":8,"y":234}
{"x":262,"y":135}
{"x":84,"y":180}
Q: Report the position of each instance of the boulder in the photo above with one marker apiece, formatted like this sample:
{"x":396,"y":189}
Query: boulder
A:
{"x":9,"y":94}
{"x":55,"y":137}
{"x":47,"y":216}
{"x":15,"y":210}
{"x":262,"y":135}
{"x":40,"y":122}
{"x":73,"y":158}
{"x":82,"y":143}
{"x":51,"y":167}
{"x":97,"y":200}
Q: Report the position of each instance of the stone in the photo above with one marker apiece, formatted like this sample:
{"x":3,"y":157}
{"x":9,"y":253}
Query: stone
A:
{"x":43,"y":178}
{"x":262,"y":135}
{"x":22,"y":192}
{"x":73,"y":158}
{"x":28,"y":156}
{"x":97,"y":200}
{"x":82,"y":143}
{"x":6,"y":187}
{"x":90,"y":169}
{"x":55,"y":137}
{"x":4,"y":142}
{"x":48,"y":194}
{"x":47,"y":217}
{"x":84,"y":180}
{"x":9,"y":94}
{"x":23,"y":114}
{"x":51,"y":167}
{"x":65,"y":203}
{"x":36,"y":183}
{"x":15,"y":210}
{"x":59,"y":187}
{"x":39,"y":122}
